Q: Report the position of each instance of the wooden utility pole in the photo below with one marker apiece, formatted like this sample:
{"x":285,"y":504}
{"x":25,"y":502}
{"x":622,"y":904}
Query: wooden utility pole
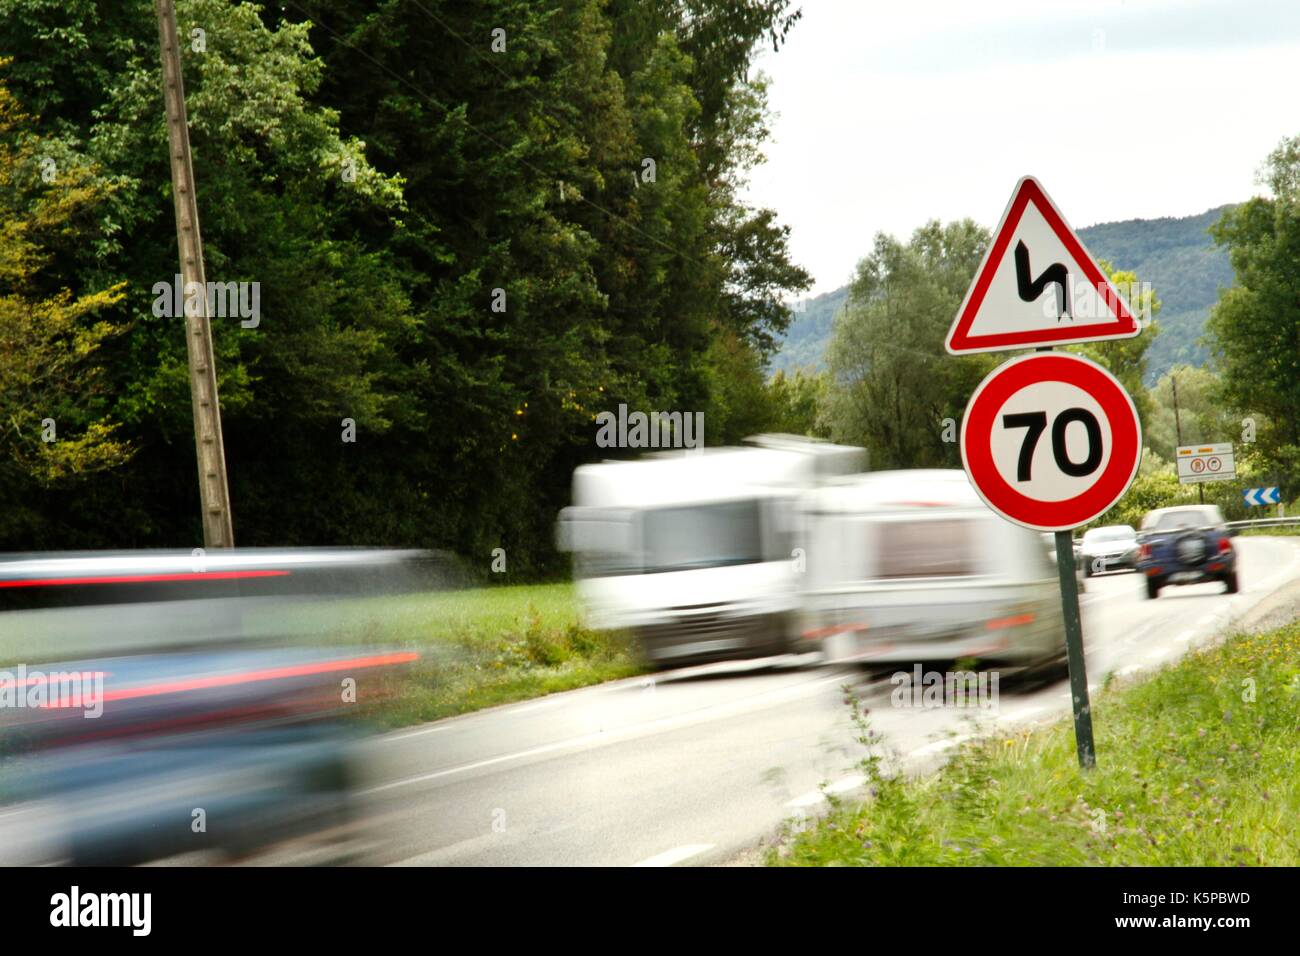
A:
{"x":214,"y":495}
{"x":1178,"y":422}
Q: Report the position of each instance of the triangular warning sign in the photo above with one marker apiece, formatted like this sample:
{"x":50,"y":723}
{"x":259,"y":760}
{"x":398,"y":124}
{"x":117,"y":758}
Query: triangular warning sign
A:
{"x":1037,"y":285}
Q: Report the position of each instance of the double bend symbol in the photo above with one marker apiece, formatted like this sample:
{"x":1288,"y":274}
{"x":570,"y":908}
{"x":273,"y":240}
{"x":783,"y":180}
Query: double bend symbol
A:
{"x":1031,"y":289}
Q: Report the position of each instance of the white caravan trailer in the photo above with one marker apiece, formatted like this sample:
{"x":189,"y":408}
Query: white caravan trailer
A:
{"x":698,"y":553}
{"x":911,"y":566}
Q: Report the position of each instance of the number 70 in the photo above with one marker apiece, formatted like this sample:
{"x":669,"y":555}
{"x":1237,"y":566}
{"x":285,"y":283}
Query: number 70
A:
{"x":1035,"y":424}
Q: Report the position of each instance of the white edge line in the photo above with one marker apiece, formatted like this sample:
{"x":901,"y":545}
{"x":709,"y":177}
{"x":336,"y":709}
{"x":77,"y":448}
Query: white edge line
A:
{"x":845,"y":784}
{"x":814,"y":797}
{"x":730,"y":708}
{"x":938,"y":746}
{"x":676,"y":855}
{"x":1023,"y":712}
{"x":809,"y":799}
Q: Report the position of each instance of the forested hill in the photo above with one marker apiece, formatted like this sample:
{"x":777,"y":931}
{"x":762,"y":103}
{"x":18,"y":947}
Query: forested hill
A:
{"x":809,"y":331}
{"x":1177,"y":256}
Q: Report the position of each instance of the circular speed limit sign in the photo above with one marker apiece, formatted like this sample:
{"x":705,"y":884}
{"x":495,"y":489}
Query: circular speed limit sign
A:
{"x":1050,"y":440}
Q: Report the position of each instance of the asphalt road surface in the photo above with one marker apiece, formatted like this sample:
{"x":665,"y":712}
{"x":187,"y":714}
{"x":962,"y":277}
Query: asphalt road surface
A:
{"x":701,"y":765}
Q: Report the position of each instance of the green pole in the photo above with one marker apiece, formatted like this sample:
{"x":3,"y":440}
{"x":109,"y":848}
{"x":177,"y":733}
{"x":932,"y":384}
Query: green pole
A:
{"x":1065,"y":568}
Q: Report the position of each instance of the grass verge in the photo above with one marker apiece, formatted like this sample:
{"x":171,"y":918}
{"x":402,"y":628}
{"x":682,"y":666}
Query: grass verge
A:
{"x":478,"y":647}
{"x":1196,"y":767}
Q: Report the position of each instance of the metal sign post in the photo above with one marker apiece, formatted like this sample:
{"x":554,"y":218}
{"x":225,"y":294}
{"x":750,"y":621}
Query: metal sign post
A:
{"x":1065,"y":569}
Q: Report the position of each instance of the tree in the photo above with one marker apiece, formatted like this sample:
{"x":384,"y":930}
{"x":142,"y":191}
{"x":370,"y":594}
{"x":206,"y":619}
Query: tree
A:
{"x":893,"y":386}
{"x":277,"y":210}
{"x":1200,"y":411}
{"x":590,"y":169}
{"x":797,"y":401}
{"x":474,"y":226}
{"x":1126,"y":359}
{"x":1254,"y":328}
{"x":54,"y":428}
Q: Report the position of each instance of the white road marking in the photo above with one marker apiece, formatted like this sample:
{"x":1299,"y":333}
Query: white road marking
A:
{"x":432,"y":729}
{"x":549,"y":701}
{"x":631,"y":730}
{"x":845,"y":784}
{"x":1090,"y":598}
{"x":939,"y":746}
{"x":1023,"y":712}
{"x":809,"y":799}
{"x":676,"y":855}
{"x":814,"y":797}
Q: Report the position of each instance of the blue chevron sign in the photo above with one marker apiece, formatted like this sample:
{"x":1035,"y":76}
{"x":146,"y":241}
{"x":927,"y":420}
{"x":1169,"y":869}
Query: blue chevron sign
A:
{"x":1261,"y":496}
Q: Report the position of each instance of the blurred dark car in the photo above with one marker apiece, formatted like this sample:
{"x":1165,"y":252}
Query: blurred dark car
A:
{"x":193,"y":731}
{"x":1188,"y":544}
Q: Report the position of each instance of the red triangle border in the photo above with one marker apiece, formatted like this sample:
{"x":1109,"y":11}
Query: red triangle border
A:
{"x":959,"y":340}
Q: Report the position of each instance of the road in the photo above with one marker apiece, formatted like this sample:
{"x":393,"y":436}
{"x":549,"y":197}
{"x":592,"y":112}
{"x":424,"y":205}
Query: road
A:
{"x":699,"y":766}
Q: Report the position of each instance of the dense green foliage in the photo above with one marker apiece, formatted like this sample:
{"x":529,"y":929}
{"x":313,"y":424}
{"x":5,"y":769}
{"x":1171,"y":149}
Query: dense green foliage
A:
{"x":474,"y":227}
{"x":1179,"y":258}
{"x":894,"y":388}
{"x":50,"y":376}
{"x":1201,"y":415}
{"x":1256,"y":324}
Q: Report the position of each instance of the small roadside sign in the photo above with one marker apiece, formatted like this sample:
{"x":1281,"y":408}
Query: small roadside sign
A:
{"x":1210,"y":462}
{"x":1261,"y":496}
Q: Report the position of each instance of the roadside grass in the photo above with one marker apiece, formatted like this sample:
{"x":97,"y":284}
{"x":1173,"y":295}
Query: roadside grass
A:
{"x":478,"y":648}
{"x":1291,"y":531}
{"x":1196,"y":767}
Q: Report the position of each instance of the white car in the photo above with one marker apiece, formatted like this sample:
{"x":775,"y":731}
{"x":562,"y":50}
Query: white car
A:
{"x":1112,"y":548}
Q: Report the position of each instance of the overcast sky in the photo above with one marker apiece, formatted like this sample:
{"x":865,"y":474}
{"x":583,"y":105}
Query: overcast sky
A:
{"x":892,"y":113}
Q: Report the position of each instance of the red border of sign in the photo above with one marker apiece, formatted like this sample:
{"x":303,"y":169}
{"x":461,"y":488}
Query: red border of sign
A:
{"x":1117,"y":474}
{"x":959,"y":341}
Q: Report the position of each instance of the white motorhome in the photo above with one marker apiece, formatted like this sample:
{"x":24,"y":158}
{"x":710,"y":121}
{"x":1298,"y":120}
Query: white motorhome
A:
{"x":910,"y":566}
{"x":698,"y":553}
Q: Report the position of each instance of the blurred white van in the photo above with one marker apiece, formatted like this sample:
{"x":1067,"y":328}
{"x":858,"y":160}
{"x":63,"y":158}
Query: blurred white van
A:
{"x":699,"y":553}
{"x":911,"y":566}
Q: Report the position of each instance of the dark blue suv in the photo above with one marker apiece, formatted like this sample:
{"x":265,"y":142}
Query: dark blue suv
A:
{"x":1187,"y":544}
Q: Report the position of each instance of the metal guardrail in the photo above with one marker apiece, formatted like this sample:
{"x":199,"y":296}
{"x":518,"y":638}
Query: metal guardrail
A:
{"x":1266,"y":522}
{"x":1275,"y":522}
